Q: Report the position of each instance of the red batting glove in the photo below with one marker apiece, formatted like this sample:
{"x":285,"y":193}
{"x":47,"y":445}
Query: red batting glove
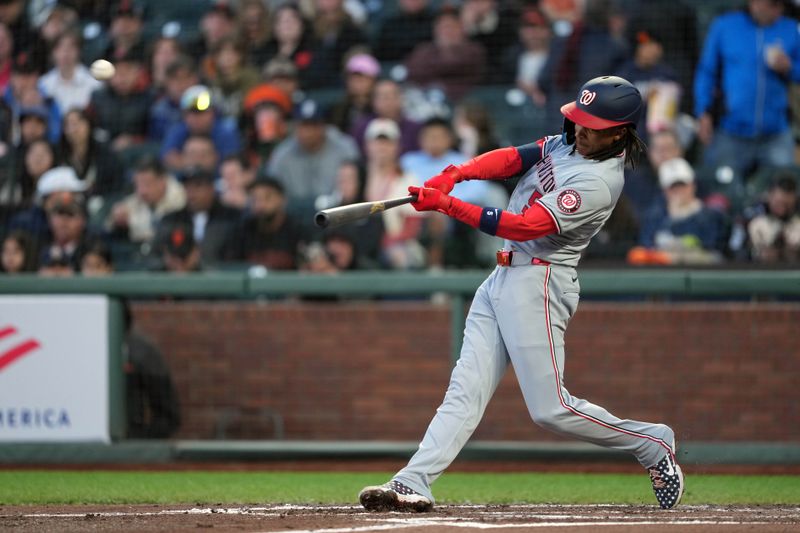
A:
{"x":446,"y":180}
{"x":430,"y":199}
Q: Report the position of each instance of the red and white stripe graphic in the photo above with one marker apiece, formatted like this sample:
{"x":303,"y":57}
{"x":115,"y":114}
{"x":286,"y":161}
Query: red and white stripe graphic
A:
{"x":16,"y":350}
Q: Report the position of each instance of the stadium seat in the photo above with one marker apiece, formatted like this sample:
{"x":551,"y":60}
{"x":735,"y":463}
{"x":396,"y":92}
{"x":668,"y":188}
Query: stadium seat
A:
{"x":180,"y":10}
{"x":517,"y":120}
{"x":95,"y":41}
{"x":759,"y":182}
{"x":326,"y":97}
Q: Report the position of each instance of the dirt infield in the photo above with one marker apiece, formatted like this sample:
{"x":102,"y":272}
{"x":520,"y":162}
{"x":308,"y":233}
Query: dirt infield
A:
{"x":446,"y":518}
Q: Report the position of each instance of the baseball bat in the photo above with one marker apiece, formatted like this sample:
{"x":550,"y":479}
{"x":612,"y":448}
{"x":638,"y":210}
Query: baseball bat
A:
{"x":336,"y":216}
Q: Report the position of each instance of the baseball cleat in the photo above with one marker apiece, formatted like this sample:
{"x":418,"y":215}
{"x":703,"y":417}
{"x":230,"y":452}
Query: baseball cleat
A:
{"x":394,"y":496}
{"x":667,"y":481}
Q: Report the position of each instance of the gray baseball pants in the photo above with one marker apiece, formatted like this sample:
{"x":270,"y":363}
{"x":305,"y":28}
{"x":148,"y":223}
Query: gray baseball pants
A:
{"x":519,"y":315}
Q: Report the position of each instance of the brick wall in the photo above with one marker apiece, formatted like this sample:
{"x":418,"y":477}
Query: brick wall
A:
{"x":378,"y":370}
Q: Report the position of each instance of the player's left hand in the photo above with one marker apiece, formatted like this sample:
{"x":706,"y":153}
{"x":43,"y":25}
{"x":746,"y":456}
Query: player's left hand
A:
{"x":430,"y":199}
{"x":446,"y":180}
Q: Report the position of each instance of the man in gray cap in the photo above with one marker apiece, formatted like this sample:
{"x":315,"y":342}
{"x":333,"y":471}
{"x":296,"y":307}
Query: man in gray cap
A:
{"x":306,"y":163}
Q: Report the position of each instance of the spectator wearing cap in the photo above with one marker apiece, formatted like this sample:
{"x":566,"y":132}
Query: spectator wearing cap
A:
{"x":773,"y":227}
{"x":585,"y":50}
{"x":450,"y":61}
{"x":127,"y":23}
{"x":401,"y":32}
{"x":267,"y":111}
{"x":292,"y":39}
{"x":231,"y":78}
{"x":33,"y":122}
{"x":179,"y":250}
{"x":211,"y":222}
{"x":335,"y":35}
{"x":307,"y":161}
{"x":200,"y":117}
{"x":657,"y":82}
{"x":156,"y":194}
{"x":92,"y":159}
{"x":166,"y":110}
{"x":360,"y":74}
{"x":268,"y":235}
{"x":400,"y":248}
{"x":677,"y":26}
{"x":282,"y":73}
{"x":56,"y":183}
{"x":66,"y":217}
{"x":254,"y":25}
{"x":69,"y":82}
{"x":523,"y":61}
{"x":682,"y":227}
{"x":122,"y":107}
{"x":24,"y":92}
{"x":388,"y":102}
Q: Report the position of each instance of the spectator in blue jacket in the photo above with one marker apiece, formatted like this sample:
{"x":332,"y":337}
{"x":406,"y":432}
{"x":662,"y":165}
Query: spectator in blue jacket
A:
{"x":23,"y":91}
{"x":749,"y":59}
{"x":166,"y":111}
{"x":200,"y":117}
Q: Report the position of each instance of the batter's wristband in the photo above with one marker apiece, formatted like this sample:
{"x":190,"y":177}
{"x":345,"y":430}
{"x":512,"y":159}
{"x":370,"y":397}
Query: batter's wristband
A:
{"x":490,"y":220}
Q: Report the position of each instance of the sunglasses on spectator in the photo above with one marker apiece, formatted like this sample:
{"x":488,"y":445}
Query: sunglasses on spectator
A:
{"x":65,"y":212}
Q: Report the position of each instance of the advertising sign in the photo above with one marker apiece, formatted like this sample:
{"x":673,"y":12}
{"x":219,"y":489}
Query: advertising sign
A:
{"x":54,"y":369}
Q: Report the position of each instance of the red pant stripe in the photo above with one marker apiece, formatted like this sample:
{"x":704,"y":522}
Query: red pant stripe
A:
{"x":558,"y":378}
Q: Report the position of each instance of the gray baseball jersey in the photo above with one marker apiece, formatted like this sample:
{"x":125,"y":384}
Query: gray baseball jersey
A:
{"x":579,"y":194}
{"x":519,"y":316}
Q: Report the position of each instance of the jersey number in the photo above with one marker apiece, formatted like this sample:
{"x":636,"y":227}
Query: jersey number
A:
{"x":535,"y":196}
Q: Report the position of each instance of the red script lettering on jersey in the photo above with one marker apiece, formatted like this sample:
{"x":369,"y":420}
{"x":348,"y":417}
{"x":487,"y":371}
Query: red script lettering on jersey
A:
{"x":547,"y":180}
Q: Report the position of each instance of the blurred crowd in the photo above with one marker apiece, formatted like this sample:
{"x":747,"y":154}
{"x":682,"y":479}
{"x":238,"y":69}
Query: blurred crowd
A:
{"x":227,"y":124}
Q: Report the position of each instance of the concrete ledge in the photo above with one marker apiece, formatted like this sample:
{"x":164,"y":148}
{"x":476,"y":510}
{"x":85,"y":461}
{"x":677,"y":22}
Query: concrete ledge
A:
{"x":157,"y":451}
{"x":79,"y":453}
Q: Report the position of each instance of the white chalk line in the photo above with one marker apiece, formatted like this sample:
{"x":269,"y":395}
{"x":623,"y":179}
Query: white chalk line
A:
{"x":507,"y":512}
{"x":482,"y":525}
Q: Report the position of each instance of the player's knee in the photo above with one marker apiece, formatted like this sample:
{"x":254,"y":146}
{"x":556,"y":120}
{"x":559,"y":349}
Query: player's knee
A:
{"x":551,"y":418}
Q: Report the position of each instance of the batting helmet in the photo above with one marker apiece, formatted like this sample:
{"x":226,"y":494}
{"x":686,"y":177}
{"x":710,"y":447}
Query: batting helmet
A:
{"x":605,"y":102}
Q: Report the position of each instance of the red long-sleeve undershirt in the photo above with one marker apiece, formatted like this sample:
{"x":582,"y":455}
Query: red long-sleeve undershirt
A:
{"x":497,"y":164}
{"x":535,"y":222}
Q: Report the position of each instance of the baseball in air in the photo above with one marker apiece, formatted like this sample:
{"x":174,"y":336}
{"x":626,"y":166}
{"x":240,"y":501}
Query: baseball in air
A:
{"x":102,"y":70}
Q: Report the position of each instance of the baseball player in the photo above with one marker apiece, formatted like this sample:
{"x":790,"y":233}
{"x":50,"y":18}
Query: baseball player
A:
{"x":568,"y":187}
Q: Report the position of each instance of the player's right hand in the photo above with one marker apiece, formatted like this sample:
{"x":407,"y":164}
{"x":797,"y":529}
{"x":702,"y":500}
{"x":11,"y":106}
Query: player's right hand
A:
{"x":446,"y":180}
{"x":429,"y":199}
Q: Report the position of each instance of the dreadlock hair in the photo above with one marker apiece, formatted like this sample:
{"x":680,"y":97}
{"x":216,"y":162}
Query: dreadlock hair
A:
{"x":631,"y":144}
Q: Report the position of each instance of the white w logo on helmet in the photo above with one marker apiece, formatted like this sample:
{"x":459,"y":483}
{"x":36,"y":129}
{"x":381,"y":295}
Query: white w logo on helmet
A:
{"x":587,"y":97}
